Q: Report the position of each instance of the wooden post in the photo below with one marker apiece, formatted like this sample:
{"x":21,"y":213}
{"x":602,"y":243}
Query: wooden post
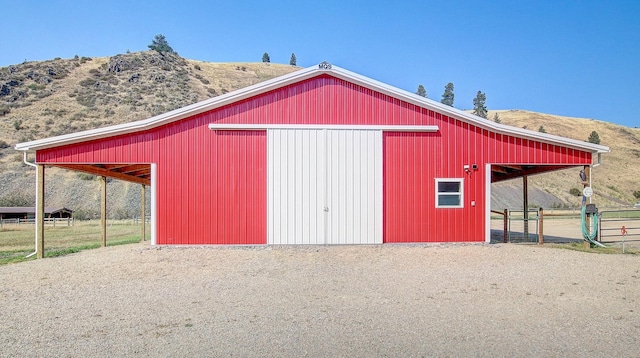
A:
{"x":40,"y":211}
{"x":540,"y":230}
{"x":506,"y":226}
{"x":525,"y":201}
{"x":103,"y":210}
{"x":142,"y":204}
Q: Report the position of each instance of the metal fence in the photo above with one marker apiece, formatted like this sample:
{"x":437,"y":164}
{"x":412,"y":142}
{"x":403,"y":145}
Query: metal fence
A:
{"x":521,"y":229}
{"x":619,"y":225}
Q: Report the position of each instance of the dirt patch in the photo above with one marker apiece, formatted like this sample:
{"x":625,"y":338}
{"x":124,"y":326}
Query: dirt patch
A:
{"x":388,"y":300}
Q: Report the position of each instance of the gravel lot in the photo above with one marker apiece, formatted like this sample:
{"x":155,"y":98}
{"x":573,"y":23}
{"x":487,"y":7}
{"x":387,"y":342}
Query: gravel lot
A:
{"x":323,"y":301}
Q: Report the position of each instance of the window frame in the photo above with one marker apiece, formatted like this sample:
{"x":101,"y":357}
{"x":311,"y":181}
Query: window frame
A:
{"x":460,"y":193}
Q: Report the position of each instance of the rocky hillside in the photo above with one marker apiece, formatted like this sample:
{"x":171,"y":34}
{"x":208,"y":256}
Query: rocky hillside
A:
{"x":43,"y":99}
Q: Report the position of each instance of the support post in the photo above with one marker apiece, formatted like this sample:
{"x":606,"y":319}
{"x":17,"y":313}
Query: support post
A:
{"x":505,"y":239}
{"x":40,"y":212}
{"x":525,"y":203}
{"x":103,"y":210}
{"x":143,"y":213}
{"x":540,"y":230}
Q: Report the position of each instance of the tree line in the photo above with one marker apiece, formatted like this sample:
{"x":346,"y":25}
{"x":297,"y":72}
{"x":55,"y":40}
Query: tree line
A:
{"x":480,"y":108}
{"x":448,"y":97}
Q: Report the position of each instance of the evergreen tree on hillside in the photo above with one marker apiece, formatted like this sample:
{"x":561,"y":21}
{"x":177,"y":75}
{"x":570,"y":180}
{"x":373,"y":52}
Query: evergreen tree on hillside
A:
{"x":541,"y":129}
{"x":421,"y":91}
{"x":161,"y":45}
{"x":266,"y":58}
{"x":496,"y":118}
{"x":479,"y":109}
{"x":447,"y":96}
{"x":594,"y":138}
{"x":293,"y":61}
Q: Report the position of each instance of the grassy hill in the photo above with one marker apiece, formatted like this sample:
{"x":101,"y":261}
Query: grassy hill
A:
{"x":614,"y":182}
{"x":43,"y":99}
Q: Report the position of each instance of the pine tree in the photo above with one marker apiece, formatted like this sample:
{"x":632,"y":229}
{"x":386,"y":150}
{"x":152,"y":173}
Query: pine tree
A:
{"x":541,"y":129}
{"x":266,"y":58}
{"x":293,"y":61}
{"x":479,"y":109}
{"x":594,"y":138}
{"x":421,"y":91}
{"x":161,"y":45}
{"x":447,"y":96}
{"x":496,"y":118}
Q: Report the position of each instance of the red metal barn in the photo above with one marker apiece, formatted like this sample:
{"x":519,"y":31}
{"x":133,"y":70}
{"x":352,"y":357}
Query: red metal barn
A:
{"x":318,"y":156}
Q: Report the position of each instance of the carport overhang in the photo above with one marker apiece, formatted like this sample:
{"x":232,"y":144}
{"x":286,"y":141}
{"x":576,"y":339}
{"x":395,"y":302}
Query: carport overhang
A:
{"x":502,"y":172}
{"x":139,"y":173}
{"x":134,"y":173}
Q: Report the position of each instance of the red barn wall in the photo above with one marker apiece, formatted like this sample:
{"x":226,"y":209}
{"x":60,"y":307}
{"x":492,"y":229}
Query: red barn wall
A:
{"x":211,"y":185}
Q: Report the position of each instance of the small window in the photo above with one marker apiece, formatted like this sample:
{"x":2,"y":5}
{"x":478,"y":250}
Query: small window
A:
{"x":449,"y":193}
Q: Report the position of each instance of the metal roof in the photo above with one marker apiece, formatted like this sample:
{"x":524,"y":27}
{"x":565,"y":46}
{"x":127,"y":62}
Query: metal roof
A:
{"x":294,"y":77}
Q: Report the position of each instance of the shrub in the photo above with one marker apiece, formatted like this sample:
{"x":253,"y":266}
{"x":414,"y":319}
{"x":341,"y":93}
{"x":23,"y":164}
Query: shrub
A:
{"x":636,"y":194}
{"x":575,"y":192}
{"x":36,"y":87}
{"x":88,"y":82}
{"x":17,"y":199}
{"x":17,"y":124}
{"x":86,"y":100}
{"x":4,"y":144}
{"x":4,"y":110}
{"x":84,"y":214}
{"x":85,"y":176}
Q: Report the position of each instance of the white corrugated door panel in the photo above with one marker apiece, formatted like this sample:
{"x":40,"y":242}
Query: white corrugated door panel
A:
{"x":354,"y":187}
{"x":295,"y":186}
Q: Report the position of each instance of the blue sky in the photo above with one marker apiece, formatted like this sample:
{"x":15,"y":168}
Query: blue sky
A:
{"x":573,"y":58}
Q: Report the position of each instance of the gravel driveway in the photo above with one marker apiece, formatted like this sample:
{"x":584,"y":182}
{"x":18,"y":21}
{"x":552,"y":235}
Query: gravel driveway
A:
{"x":323,"y":301}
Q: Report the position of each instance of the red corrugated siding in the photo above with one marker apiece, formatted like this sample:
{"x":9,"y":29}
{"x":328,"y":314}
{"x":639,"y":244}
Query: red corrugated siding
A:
{"x":211,"y":185}
{"x":413,"y":161}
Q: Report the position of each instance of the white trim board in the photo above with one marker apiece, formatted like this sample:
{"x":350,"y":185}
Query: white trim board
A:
{"x":388,"y":128}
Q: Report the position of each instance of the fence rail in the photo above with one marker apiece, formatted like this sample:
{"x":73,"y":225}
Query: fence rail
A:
{"x":514,"y":218}
{"x":619,"y":224}
{"x":615,"y":225}
{"x":47,"y":221}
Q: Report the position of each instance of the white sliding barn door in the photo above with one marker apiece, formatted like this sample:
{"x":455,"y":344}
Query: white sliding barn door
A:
{"x":324,"y":186}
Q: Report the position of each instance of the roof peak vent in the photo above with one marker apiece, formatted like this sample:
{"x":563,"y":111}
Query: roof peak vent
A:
{"x":324,"y":65}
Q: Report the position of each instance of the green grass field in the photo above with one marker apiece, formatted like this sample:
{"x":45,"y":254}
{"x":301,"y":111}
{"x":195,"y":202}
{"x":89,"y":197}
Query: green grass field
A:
{"x":17,"y":241}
